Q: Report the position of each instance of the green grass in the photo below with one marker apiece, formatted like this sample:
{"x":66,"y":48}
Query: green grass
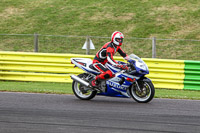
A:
{"x":177,"y":19}
{"x":177,"y":94}
{"x":66,"y":88}
{"x":36,"y":87}
{"x":138,"y":18}
{"x":90,"y":17}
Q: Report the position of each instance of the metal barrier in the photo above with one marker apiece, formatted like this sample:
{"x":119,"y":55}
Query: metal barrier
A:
{"x":25,"y":66}
{"x":166,"y":73}
{"x":143,"y":47}
{"x":192,"y":75}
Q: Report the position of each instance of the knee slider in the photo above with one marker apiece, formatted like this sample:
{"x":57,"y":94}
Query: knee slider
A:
{"x":108,"y":74}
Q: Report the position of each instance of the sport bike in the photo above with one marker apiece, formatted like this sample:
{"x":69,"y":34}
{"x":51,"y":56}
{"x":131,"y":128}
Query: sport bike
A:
{"x":126,"y":83}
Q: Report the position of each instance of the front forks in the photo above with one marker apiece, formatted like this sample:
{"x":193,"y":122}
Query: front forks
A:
{"x":138,"y":87}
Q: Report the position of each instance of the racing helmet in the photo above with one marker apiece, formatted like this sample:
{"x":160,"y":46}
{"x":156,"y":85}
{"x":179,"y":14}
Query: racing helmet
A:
{"x":117,"y":38}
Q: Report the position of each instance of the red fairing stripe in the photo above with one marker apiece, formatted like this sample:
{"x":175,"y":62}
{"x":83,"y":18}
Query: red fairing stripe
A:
{"x":81,"y":63}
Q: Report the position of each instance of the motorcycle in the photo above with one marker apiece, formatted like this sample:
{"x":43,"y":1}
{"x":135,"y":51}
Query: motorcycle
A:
{"x":126,"y":83}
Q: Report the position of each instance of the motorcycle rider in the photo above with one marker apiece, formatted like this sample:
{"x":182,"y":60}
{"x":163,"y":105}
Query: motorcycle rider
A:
{"x":105,"y":54}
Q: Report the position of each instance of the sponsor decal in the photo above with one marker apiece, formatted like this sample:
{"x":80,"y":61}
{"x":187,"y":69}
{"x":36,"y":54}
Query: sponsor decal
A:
{"x":115,"y":85}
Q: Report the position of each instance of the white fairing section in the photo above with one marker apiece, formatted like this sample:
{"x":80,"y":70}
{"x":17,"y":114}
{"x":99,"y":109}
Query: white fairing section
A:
{"x":141,"y":65}
{"x":86,"y":61}
{"x":139,"y":62}
{"x":83,"y":60}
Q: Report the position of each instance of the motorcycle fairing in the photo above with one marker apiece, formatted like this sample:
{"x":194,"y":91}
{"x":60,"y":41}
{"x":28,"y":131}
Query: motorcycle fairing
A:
{"x":84,"y":64}
{"x":112,"y":68}
{"x":115,"y":89}
{"x":113,"y":86}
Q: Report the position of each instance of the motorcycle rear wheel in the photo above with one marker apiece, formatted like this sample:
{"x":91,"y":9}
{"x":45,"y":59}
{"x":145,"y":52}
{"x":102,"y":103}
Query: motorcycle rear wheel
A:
{"x":147,"y":91}
{"x":82,"y":92}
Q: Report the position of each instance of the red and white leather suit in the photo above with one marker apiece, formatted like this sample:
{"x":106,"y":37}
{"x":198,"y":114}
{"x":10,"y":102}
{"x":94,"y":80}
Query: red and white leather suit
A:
{"x":104,"y":55}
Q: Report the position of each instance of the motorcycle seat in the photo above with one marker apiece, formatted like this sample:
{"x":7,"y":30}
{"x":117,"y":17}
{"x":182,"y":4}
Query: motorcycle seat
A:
{"x":92,"y":67}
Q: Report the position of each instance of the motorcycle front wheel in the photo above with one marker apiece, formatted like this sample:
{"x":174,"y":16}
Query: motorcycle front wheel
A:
{"x":81,"y":91}
{"x":142,"y":91}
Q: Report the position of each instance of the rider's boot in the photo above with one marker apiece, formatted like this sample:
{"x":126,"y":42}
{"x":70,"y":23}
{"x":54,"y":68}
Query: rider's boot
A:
{"x":94,"y":82}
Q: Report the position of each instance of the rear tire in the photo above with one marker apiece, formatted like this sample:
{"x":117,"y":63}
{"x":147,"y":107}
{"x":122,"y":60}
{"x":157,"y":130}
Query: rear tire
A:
{"x":81,"y":91}
{"x":147,"y":91}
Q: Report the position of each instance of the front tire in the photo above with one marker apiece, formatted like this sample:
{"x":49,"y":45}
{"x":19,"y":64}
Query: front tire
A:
{"x":145,"y":93}
{"x":81,"y":91}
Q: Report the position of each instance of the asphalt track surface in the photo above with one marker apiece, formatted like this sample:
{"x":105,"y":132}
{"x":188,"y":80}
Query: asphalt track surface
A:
{"x":49,"y":113}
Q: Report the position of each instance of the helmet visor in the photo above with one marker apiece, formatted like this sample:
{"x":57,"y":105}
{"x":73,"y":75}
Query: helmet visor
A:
{"x":120,"y":40}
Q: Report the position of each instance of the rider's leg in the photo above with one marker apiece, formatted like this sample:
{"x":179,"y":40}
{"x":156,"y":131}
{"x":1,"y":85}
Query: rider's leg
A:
{"x":105,"y":74}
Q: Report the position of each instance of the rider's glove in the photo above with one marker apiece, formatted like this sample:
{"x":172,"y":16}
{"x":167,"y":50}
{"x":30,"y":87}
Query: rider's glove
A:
{"x":126,"y":58}
{"x":124,"y":67}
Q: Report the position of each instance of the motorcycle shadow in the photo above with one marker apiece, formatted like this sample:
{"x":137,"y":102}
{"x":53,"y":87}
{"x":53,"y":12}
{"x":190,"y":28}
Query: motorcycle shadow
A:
{"x":105,"y":100}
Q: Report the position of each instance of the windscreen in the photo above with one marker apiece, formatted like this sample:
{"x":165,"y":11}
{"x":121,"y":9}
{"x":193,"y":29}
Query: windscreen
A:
{"x":139,"y":61}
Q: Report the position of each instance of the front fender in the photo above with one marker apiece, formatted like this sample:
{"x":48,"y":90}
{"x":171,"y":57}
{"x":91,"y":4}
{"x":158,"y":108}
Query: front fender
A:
{"x":146,"y":79}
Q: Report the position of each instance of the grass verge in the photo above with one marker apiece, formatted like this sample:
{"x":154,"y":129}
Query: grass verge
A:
{"x":65,"y":88}
{"x":36,"y":87}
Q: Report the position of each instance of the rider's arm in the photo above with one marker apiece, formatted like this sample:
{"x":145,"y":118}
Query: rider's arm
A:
{"x":112,"y":61}
{"x":122,"y":53}
{"x":110,"y":56}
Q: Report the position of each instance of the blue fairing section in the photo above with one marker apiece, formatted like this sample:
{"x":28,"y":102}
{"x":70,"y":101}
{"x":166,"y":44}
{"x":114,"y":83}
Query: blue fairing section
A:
{"x":114,"y":71}
{"x":114,"y":89}
{"x":112,"y":93}
{"x":89,"y":71}
{"x":120,"y":62}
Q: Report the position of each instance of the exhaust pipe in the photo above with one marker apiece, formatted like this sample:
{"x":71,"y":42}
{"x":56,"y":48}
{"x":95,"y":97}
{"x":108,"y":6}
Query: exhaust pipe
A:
{"x":79,"y":80}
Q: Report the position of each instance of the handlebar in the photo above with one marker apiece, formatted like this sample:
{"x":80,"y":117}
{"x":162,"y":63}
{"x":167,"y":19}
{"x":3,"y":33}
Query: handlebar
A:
{"x":131,"y":67}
